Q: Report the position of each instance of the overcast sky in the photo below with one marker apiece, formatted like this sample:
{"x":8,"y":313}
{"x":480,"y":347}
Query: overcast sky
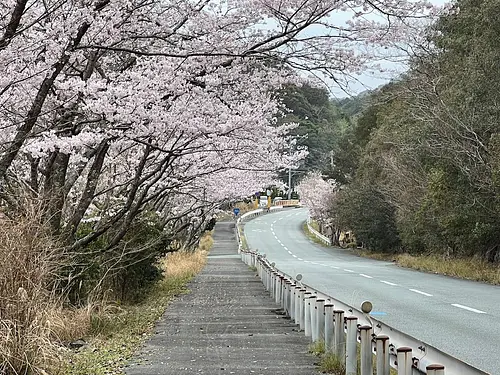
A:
{"x":373,"y":79}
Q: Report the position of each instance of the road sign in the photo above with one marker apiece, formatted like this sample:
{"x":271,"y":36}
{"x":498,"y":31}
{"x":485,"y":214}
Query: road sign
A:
{"x":236,"y":211}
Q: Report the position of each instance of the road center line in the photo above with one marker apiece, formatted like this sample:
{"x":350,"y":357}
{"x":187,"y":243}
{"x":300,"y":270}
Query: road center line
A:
{"x":468,"y":308}
{"x":286,"y":248}
{"x":295,"y":256}
{"x":300,"y":259}
{"x":420,"y":292}
{"x":368,"y":277}
{"x":388,"y":283}
{"x":289,"y":252}
{"x":346,"y":270}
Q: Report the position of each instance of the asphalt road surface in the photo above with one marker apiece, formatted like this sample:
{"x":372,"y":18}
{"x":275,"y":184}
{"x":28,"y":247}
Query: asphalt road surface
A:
{"x":460,"y":317}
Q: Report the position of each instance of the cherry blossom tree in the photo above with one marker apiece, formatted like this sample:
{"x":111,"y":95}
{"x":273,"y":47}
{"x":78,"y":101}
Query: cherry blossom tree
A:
{"x":110,"y":109}
{"x":316,"y":193}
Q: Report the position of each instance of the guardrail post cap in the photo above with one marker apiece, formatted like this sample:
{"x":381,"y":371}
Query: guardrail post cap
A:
{"x":366,"y":307}
{"x":435,"y":367}
{"x":404,"y":349}
{"x":298,"y":277}
{"x":273,"y":264}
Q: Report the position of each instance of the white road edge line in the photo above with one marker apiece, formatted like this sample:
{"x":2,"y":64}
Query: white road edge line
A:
{"x":388,"y":283}
{"x":420,"y":292}
{"x":468,"y":308}
{"x":368,"y":277}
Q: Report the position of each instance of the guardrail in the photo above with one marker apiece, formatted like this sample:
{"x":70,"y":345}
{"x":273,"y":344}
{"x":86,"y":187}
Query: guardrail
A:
{"x":316,"y":234}
{"x":287,"y":203}
{"x":342,"y":327}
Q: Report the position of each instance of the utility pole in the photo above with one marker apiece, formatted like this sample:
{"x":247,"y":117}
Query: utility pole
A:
{"x":289,"y":183}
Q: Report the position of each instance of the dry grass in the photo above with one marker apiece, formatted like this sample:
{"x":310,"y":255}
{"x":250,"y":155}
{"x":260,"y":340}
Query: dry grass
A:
{"x":67,"y":325}
{"x":187,"y":263}
{"x":245,"y":207}
{"x":30,"y":261}
{"x":464,"y":268}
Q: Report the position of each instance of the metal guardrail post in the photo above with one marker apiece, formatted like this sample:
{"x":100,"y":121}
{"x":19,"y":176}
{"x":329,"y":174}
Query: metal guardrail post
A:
{"x":435,"y":370}
{"x":298,"y":299}
{"x":320,"y":319}
{"x":307,"y":314}
{"x":339,"y":335}
{"x":382,"y":351}
{"x":405,"y":360}
{"x":278,"y":289}
{"x":292,"y":302}
{"x":304,"y":295}
{"x":351,"y":360}
{"x":329,"y":328}
{"x":282,"y":292}
{"x":312,"y":314}
{"x":286,"y":295}
{"x":268,"y":279}
{"x":366,"y":350}
{"x":273,"y":285}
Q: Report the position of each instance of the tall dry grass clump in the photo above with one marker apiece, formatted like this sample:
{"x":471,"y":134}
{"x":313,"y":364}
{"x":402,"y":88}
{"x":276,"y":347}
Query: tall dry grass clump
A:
{"x":182,"y":264}
{"x":28,"y":265}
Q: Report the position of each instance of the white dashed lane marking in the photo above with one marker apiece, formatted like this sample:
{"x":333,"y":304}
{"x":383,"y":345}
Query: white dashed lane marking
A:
{"x":388,"y":283}
{"x":368,"y":277}
{"x":346,"y":270}
{"x":420,"y":292}
{"x":468,"y":308}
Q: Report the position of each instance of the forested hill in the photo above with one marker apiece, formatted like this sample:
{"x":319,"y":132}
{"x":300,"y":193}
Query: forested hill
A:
{"x":419,"y":167}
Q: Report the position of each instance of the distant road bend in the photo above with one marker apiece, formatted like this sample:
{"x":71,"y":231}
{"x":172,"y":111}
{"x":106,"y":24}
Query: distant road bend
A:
{"x":459,"y":317}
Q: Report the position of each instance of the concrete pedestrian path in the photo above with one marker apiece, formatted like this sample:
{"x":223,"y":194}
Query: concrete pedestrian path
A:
{"x":227,"y":324}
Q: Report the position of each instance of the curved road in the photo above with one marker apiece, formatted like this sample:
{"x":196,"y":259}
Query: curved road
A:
{"x":460,"y":317}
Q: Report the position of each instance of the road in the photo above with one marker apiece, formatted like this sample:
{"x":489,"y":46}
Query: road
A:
{"x":460,"y":317}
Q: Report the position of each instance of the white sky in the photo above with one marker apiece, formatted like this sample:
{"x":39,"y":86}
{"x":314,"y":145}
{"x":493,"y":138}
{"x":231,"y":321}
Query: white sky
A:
{"x":373,"y":79}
